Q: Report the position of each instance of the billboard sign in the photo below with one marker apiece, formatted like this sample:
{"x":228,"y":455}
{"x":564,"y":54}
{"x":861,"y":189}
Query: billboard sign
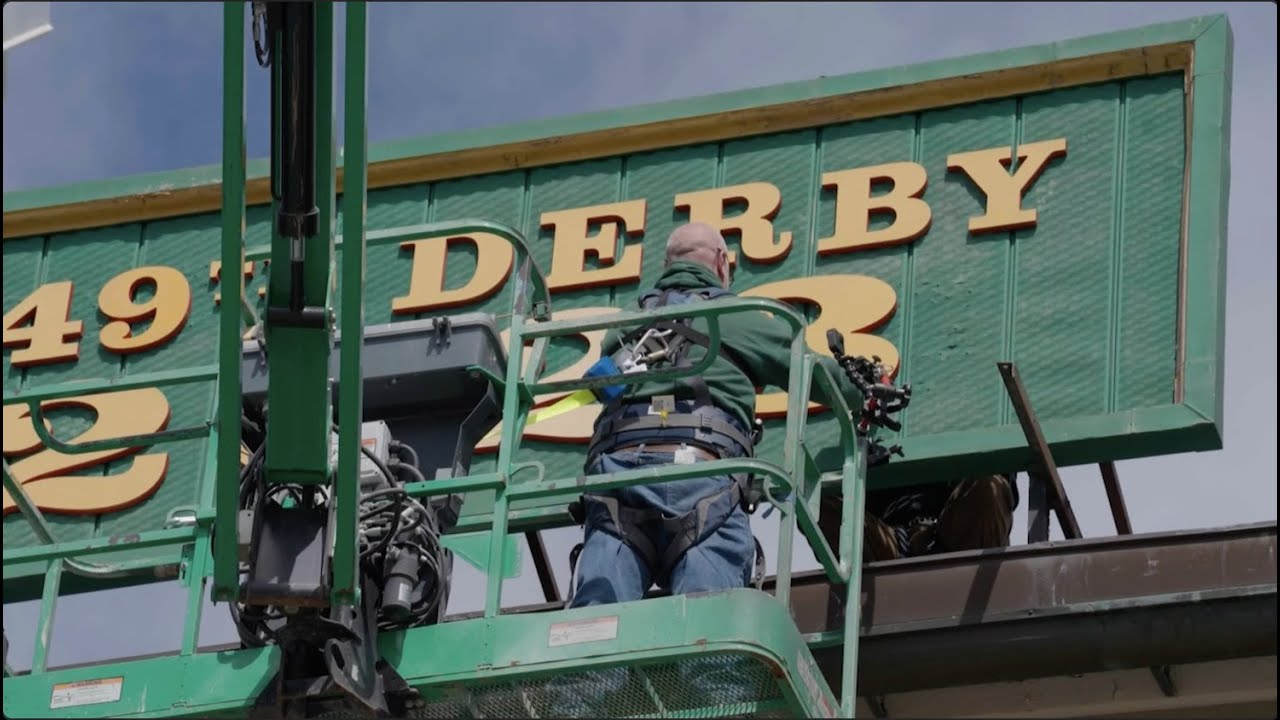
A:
{"x":1060,"y":207}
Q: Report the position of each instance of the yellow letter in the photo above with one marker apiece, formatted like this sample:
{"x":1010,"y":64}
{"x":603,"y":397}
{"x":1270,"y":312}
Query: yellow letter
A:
{"x":854,"y":205}
{"x":426,"y":284}
{"x":576,"y":425}
{"x":571,"y":244}
{"x":46,"y":475}
{"x":754,"y":224}
{"x":989,"y":171}
{"x":853,"y":304}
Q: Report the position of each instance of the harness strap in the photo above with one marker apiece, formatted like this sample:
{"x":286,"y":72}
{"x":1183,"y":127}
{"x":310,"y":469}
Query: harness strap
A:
{"x":757,"y":576}
{"x":705,"y":429}
{"x":683,"y":329}
{"x":686,"y":534}
{"x":701,"y":395}
{"x":573,"y":573}
{"x":627,"y":524}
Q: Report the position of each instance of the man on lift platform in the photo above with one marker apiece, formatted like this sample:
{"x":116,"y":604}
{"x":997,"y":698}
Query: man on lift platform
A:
{"x":689,"y":535}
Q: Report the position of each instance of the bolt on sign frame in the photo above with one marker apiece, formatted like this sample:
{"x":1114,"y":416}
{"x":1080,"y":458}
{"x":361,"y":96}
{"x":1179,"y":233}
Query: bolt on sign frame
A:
{"x":1196,"y":54}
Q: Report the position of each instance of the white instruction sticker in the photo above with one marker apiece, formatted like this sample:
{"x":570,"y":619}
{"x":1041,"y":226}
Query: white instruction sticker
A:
{"x":811,"y":684}
{"x":86,"y":692}
{"x":685,"y":456}
{"x":583,"y":631}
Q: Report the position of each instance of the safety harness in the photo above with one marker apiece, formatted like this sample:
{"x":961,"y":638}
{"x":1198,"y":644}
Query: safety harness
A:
{"x":692,"y":421}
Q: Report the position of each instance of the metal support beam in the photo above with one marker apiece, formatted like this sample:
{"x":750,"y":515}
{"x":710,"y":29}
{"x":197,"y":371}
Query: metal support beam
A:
{"x":1119,"y":512}
{"x":1040,"y":448}
{"x":542,"y":563}
{"x":1037,"y":508}
{"x":298,"y":320}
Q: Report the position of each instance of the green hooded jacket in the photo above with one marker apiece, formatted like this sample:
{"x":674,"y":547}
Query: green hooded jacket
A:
{"x":759,"y":342}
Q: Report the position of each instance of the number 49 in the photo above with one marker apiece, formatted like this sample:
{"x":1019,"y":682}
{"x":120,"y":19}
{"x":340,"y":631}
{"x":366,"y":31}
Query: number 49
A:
{"x":41,"y":332}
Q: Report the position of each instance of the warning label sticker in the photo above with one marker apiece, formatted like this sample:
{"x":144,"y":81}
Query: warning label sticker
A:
{"x":86,"y":692}
{"x":583,"y":631}
{"x":816,"y":695}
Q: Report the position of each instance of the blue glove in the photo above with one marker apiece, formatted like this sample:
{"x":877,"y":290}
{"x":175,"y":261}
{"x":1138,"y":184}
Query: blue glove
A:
{"x":605,"y":367}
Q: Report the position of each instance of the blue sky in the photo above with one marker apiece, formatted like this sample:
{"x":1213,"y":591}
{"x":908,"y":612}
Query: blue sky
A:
{"x":126,"y":88}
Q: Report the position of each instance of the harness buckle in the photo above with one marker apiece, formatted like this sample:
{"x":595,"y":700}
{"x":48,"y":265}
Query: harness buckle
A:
{"x":662,"y":405}
{"x":653,"y":347}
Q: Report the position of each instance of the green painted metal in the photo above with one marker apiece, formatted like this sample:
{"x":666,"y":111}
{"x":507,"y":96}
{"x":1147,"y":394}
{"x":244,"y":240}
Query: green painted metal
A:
{"x":196,"y":567}
{"x":772,"y":640}
{"x":514,"y":413}
{"x":744,"y":624}
{"x":854,"y":487}
{"x":1206,"y":222}
{"x":474,"y":548}
{"x":226,"y":578}
{"x":297,"y":451}
{"x":28,"y":509}
{"x":958,"y":424}
{"x":64,"y":554}
{"x":74,"y":388}
{"x":1193,"y":29}
{"x":62,"y":446}
{"x":44,"y":626}
{"x":99,"y":545}
{"x":196,"y":578}
{"x":346,"y":569}
{"x":987,"y":298}
{"x":1151,"y":147}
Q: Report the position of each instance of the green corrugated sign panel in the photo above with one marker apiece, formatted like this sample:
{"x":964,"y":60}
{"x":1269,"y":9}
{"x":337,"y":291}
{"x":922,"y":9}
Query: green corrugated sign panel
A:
{"x":1110,"y":303}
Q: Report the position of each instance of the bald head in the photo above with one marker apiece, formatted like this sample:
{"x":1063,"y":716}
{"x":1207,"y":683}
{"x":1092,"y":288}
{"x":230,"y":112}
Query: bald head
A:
{"x":702,"y":244}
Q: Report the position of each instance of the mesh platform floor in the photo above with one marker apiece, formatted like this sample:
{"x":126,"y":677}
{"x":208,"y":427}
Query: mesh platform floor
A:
{"x":706,"y":686}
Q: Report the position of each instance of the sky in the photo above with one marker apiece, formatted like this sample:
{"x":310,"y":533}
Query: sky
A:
{"x":124,"y":88}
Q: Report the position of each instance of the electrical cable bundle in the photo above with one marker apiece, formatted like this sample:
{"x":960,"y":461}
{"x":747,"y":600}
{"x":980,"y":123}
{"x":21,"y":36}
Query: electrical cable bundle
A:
{"x":255,"y":625}
{"x":400,"y":548}
{"x":399,"y":545}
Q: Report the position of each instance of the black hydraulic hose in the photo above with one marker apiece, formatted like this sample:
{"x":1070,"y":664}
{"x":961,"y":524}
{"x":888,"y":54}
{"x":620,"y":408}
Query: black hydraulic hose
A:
{"x":297,"y":214}
{"x":406,"y":449}
{"x":411,"y":470}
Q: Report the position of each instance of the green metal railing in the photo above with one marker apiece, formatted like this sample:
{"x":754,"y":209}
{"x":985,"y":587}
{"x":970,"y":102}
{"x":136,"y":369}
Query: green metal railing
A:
{"x":346,"y":568}
{"x":70,"y":557}
{"x":226,"y":481}
{"x":208,"y":545}
{"x":783,"y":486}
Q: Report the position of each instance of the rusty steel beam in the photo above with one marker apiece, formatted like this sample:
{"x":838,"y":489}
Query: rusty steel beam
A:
{"x":542,"y":563}
{"x":1119,"y":512}
{"x":1037,"y":508}
{"x":1133,"y":601}
{"x":1040,"y":448}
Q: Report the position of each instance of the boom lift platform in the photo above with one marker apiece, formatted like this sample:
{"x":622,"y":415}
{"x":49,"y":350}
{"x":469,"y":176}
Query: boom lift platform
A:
{"x":332,"y":562}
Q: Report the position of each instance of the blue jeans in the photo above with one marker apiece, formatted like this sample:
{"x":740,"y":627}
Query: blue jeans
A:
{"x":610,"y":571}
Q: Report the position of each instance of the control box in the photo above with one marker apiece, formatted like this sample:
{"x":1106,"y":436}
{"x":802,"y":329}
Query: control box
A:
{"x":375,"y":436}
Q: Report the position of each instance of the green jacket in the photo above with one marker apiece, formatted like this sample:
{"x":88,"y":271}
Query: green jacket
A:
{"x":759,"y":342}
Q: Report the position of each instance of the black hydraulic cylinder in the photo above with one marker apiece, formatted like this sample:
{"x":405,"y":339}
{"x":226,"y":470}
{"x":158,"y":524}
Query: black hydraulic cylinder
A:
{"x":296,"y":214}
